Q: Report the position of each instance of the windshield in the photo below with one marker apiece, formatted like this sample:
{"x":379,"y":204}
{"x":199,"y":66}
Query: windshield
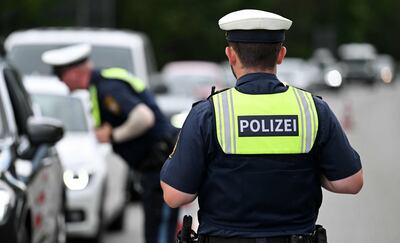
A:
{"x":27,"y":58}
{"x":67,"y":109}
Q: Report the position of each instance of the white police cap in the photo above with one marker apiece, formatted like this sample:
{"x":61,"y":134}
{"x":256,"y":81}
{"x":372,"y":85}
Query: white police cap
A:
{"x":250,"y":25}
{"x":67,"y":56}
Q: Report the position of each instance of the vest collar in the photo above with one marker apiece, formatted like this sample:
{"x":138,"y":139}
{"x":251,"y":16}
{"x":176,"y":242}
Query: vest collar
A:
{"x":260,"y":83}
{"x":250,"y":77}
{"x":95,"y":77}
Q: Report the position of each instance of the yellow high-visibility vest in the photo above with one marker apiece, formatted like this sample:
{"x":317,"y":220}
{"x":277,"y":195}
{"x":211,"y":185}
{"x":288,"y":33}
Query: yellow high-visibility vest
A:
{"x":279,"y":123}
{"x":113,"y":73}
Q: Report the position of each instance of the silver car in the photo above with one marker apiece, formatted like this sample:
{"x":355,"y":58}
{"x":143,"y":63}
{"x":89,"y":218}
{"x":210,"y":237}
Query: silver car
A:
{"x":32,"y":195}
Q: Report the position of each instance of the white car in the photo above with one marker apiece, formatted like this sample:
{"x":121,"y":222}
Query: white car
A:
{"x":110,"y":48}
{"x":192,"y":78}
{"x":186,"y":83}
{"x":95,"y":178}
{"x":358,"y":62}
{"x":298,"y":73}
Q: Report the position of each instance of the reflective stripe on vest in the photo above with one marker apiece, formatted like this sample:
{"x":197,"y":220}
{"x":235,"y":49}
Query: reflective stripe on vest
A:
{"x":95,"y":106}
{"x":113,"y":73}
{"x":280,"y":123}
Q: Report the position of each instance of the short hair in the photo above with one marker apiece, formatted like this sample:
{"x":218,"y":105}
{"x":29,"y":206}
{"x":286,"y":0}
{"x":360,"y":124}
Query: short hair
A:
{"x":260,"y":55}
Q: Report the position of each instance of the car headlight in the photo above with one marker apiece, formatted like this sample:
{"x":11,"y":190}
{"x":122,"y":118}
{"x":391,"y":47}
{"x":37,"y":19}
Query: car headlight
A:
{"x":386,"y":75}
{"x":76,"y":180}
{"x":333,"y":78}
{"x":7,"y":199}
{"x":177,"y":120}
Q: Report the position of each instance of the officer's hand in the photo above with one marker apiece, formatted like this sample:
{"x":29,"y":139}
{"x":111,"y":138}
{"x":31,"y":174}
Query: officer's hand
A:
{"x":103,"y":133}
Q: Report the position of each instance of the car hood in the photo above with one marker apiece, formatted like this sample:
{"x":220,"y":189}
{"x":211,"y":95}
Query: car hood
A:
{"x":80,"y":150}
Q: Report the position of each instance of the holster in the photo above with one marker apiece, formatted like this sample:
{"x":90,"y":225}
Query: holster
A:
{"x":320,"y":234}
{"x":187,"y":235}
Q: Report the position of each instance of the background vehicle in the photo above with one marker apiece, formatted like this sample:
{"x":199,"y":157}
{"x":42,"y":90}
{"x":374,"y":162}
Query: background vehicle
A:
{"x":298,"y":72}
{"x":358,"y":62}
{"x":386,"y":68}
{"x":192,"y":78}
{"x":111,"y":48}
{"x":187,"y":82}
{"x":95,"y":179}
{"x":330,"y":71}
{"x":32,"y":192}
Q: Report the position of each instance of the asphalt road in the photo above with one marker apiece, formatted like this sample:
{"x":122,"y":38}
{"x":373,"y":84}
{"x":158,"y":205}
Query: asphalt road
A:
{"x":371,"y":118}
{"x":133,"y":232}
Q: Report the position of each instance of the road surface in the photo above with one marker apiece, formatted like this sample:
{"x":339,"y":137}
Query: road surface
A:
{"x":371,"y":118}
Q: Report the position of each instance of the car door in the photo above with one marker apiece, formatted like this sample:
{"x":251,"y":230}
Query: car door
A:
{"x":44,"y":184}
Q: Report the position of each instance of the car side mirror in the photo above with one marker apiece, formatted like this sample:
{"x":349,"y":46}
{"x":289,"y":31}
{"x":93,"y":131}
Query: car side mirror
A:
{"x":43,"y":130}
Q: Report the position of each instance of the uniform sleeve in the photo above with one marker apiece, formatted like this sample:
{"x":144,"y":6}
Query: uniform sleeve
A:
{"x":126,"y":99}
{"x":338,"y":159}
{"x":185,"y":167}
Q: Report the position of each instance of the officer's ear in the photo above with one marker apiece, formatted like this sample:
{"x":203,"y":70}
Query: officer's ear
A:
{"x":231,"y":54}
{"x":281,"y":55}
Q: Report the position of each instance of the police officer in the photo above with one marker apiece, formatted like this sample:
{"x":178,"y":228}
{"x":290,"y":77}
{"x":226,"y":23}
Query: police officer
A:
{"x":257,"y":155}
{"x":126,"y":115}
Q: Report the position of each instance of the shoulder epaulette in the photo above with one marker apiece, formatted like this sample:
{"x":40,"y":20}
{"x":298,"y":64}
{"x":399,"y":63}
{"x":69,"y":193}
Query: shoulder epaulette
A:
{"x":318,"y":96}
{"x":196,"y":103}
{"x":213,"y":92}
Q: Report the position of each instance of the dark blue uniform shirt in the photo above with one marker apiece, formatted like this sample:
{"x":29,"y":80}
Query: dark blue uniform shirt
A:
{"x":116,"y":100}
{"x":257,"y":195}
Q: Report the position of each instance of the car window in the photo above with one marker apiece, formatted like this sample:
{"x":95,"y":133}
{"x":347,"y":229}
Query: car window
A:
{"x":20,"y":99}
{"x":67,"y":109}
{"x":27,"y":58}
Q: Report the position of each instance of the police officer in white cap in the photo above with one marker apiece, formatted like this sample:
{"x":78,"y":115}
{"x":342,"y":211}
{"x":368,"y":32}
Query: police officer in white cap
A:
{"x":258,"y":154}
{"x":126,"y":115}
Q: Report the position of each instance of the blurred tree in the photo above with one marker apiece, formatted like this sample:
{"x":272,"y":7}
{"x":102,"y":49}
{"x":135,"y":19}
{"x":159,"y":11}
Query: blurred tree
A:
{"x":187,"y":29}
{"x":22,"y":14}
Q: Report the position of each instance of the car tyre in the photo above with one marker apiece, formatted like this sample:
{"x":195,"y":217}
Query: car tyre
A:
{"x":98,"y":237}
{"x":119,"y":221}
{"x":61,"y":235}
{"x":61,"y":231}
{"x":23,"y":235}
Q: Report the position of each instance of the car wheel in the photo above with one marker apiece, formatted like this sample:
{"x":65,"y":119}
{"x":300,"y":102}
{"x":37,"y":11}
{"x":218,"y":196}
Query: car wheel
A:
{"x":118,"y":223}
{"x":61,"y":235}
{"x":23,"y":235}
{"x":61,"y":230}
{"x":98,"y":237}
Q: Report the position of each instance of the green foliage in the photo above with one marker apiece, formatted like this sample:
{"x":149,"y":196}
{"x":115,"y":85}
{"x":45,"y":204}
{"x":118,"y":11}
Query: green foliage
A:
{"x":188,"y":29}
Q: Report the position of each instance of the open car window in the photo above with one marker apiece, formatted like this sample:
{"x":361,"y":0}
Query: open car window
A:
{"x":67,"y":109}
{"x":19,"y":97}
{"x":2,"y":122}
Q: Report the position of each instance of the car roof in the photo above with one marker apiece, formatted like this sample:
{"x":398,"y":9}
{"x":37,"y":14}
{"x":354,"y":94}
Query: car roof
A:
{"x":94,"y":36}
{"x":354,"y":51}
